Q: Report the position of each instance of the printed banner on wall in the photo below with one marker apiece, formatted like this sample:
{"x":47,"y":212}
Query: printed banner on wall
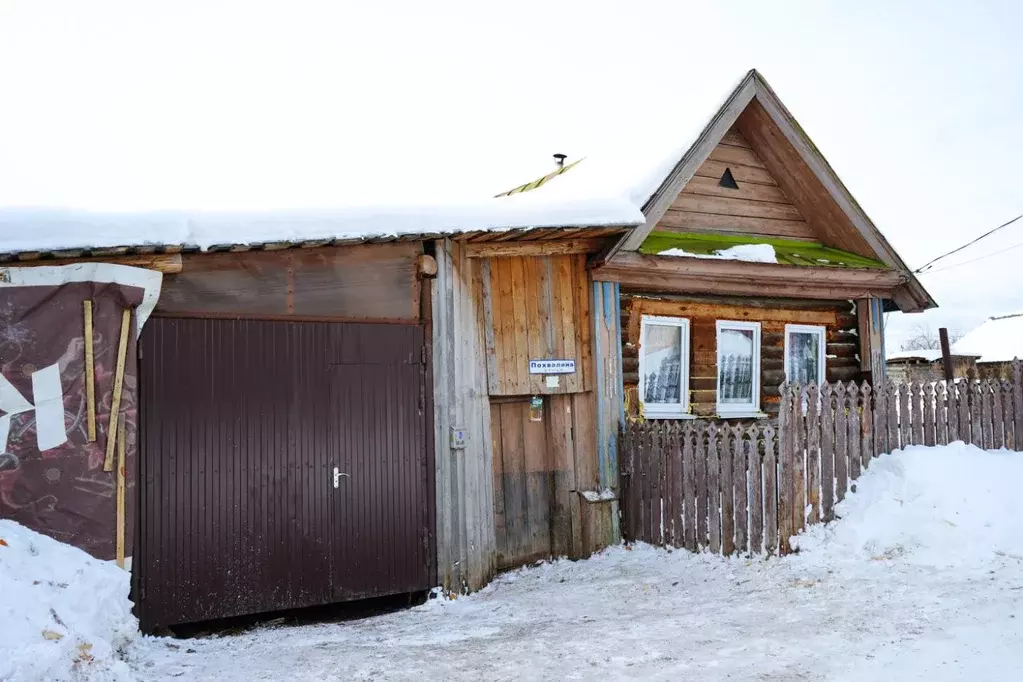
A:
{"x":51,"y":477}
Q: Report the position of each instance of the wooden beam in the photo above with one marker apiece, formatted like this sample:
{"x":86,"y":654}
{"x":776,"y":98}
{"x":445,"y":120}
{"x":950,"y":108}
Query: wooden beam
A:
{"x":694,"y":275}
{"x":90,"y":373}
{"x":121,"y":496}
{"x":554,"y":247}
{"x":115,"y":401}
{"x":168,"y":264}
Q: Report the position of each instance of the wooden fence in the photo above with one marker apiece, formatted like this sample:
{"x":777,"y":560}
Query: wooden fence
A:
{"x":744,"y":489}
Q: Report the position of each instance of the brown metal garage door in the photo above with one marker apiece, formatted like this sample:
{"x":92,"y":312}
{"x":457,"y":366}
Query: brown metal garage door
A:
{"x":243,"y":423}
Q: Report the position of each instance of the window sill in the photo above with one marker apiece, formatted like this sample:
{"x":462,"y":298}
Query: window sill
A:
{"x":669,"y":415}
{"x":742,"y":414}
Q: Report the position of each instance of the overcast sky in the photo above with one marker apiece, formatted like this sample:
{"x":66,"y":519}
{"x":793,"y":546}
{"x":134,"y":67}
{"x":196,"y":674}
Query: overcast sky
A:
{"x":917,"y":105}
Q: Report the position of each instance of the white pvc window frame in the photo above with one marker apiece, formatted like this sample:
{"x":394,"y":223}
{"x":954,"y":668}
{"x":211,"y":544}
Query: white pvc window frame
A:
{"x":822,"y":334}
{"x":675,"y":410}
{"x":752,"y":408}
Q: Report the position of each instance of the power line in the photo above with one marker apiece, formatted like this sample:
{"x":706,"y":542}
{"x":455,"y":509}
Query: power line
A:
{"x":973,"y":260}
{"x":970,"y":243}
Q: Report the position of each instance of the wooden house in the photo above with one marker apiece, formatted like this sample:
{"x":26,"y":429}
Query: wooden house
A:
{"x":754,"y":265}
{"x":331,"y":417}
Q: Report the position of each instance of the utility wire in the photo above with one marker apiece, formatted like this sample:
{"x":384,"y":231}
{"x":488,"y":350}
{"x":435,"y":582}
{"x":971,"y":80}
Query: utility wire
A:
{"x":972,"y":260}
{"x":970,"y":243}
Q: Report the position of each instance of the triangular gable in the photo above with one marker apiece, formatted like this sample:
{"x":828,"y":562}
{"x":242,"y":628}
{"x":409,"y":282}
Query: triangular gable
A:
{"x":794,"y":163}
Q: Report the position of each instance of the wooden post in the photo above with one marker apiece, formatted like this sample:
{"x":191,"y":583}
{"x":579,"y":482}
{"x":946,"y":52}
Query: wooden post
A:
{"x":653,"y":498}
{"x":827,"y":453}
{"x":813,"y":456}
{"x":916,"y":412}
{"x":977,"y":413}
{"x":964,"y":421}
{"x":121,"y":464}
{"x":756,"y":494}
{"x":985,"y":414}
{"x":675,"y":485}
{"x":1007,"y":417}
{"x":893,"y":416}
{"x":798,"y":443}
{"x":770,"y":472}
{"x":946,"y":354}
{"x":689,"y":486}
{"x":906,"y":415}
{"x":115,"y":404}
{"x":90,"y":374}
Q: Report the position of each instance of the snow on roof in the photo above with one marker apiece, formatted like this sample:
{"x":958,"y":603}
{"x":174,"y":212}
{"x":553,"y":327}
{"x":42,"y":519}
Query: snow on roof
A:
{"x":999,"y":339}
{"x":609,"y":189}
{"x":750,"y":253}
{"x":925,"y":354}
{"x":56,"y":230}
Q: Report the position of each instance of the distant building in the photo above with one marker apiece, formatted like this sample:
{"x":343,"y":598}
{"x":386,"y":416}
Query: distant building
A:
{"x":996,"y":342}
{"x":925,"y":364}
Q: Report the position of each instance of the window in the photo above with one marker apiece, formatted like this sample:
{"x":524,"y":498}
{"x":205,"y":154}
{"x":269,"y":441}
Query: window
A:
{"x":738,"y":368}
{"x":664,"y":367}
{"x":804,"y":354}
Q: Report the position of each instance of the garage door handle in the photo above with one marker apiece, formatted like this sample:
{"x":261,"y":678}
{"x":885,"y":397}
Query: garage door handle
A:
{"x":337,"y":476}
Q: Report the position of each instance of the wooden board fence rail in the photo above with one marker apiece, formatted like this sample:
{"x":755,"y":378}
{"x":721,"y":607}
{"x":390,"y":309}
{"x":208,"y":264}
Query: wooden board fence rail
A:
{"x":746,"y":489}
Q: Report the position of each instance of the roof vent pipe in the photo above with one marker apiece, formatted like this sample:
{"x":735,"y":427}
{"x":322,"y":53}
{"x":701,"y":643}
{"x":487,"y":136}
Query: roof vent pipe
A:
{"x":559,"y":159}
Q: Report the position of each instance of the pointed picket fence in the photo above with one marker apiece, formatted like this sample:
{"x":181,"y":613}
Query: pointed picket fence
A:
{"x":746,"y":489}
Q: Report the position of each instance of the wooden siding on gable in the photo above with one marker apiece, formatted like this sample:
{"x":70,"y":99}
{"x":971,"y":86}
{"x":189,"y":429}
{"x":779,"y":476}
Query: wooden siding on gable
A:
{"x":837,"y":317}
{"x":536,"y":308}
{"x":758,"y":207}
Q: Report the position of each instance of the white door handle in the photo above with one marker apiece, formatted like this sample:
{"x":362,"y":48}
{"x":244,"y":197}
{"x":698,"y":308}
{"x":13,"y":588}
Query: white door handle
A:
{"x":337,"y":476}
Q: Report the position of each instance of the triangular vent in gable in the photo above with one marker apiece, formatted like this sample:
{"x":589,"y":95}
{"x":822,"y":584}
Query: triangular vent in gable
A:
{"x":727,"y":180}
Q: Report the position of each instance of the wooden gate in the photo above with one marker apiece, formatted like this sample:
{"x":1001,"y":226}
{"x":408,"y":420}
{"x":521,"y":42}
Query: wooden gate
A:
{"x":284,"y":464}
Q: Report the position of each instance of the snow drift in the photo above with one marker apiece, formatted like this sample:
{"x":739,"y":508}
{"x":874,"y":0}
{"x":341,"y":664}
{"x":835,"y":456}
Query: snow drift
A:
{"x":63,"y":614}
{"x":954,"y":506}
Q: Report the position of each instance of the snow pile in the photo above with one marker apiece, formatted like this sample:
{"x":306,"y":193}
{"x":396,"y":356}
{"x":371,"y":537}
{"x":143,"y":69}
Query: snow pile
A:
{"x":750,"y":253}
{"x":952,"y":506}
{"x":63,"y":614}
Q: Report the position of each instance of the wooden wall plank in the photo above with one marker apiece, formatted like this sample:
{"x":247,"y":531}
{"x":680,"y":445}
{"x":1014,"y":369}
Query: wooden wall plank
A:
{"x":735,"y":206}
{"x":713,"y":169}
{"x":711,"y":187}
{"x":562,"y":461}
{"x":684,"y":221}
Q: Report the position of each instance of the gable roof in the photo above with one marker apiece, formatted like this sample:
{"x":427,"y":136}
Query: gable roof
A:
{"x":755,"y":107}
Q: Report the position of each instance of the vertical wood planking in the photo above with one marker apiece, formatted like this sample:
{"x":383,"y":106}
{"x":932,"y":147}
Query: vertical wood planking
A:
{"x":798,"y":423}
{"x":906,"y":416}
{"x":997,"y":416}
{"x":714,"y":488}
{"x":985,"y":413}
{"x":930,"y":437}
{"x":976,"y":413}
{"x":770,"y":471}
{"x":841,"y":443}
{"x":689,"y":486}
{"x":965,"y":400}
{"x":1017,"y":404}
{"x":756,"y":496}
{"x":866,"y":425}
{"x":740,"y":486}
{"x":941,"y":414}
{"x":675,"y":486}
{"x":813,"y":456}
{"x":880,"y":412}
{"x":853,"y":424}
{"x":785,"y":482}
{"x":952,"y":411}
{"x":726,"y":449}
{"x":894,"y":410}
{"x":584,"y":325}
{"x":916,"y":412}
{"x":702,"y":495}
{"x":827,"y":453}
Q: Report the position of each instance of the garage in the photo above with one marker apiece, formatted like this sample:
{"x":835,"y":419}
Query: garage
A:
{"x":285,"y":460}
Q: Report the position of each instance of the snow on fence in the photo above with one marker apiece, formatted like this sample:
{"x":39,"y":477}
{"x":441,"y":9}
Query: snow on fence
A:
{"x":734,"y":488}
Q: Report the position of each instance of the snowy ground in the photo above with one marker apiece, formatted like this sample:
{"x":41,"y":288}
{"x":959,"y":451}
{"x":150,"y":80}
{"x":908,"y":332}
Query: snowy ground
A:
{"x":922,"y":579}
